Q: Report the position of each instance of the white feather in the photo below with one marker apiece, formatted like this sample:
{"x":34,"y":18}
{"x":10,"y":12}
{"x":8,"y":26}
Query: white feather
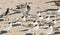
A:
{"x":8,"y":28}
{"x":50,"y":30}
{"x":58,"y":10}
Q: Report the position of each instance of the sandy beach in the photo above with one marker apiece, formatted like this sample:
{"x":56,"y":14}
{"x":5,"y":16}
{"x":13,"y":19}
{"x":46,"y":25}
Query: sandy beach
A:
{"x":36,"y":5}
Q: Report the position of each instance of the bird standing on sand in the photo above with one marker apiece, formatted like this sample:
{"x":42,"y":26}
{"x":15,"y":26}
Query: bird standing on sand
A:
{"x":58,"y":10}
{"x":19,"y":6}
{"x":34,"y":22}
{"x":5,"y":30}
{"x":24,"y":18}
{"x":39,"y":15}
{"x":47,"y":18}
{"x":54,"y":21}
{"x":50,"y":30}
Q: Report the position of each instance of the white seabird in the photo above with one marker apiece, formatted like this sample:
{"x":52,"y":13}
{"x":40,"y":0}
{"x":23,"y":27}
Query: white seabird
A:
{"x":35,"y":22}
{"x":38,"y":13}
{"x":50,"y":30}
{"x":54,"y":21}
{"x":5,"y":30}
{"x":58,"y":10}
{"x":40,"y":17}
{"x":47,"y":18}
{"x":23,"y":18}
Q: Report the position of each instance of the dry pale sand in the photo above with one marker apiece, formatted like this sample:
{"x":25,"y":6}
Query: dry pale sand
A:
{"x":37,"y":5}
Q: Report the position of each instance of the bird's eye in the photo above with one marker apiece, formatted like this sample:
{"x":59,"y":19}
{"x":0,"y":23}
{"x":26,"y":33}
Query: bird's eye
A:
{"x":38,"y":12}
{"x":53,"y":20}
{"x":40,"y":16}
{"x":34,"y":21}
{"x":49,"y":25}
{"x":22,"y":16}
{"x":9,"y":23}
{"x":36,"y":25}
{"x":46,"y":16}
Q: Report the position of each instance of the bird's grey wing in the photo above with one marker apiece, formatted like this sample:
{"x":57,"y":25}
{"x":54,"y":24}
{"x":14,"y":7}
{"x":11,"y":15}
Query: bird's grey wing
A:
{"x":56,"y":32}
{"x":24,"y":30}
{"x":2,"y":32}
{"x":14,"y":13}
{"x":30,"y":25}
{"x":58,"y":27}
{"x":16,"y":25}
{"x":50,"y":1}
